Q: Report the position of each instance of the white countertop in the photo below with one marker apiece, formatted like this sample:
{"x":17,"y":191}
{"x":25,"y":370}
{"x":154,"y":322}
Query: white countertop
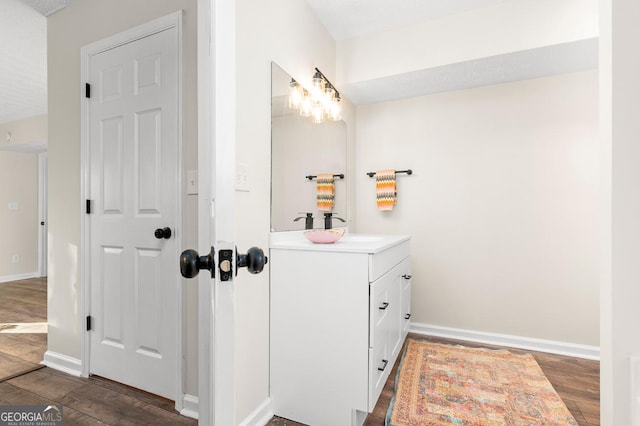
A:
{"x":349,"y":243}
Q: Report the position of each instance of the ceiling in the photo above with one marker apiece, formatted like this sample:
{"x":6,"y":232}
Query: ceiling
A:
{"x":23,"y":57}
{"x":346,"y":19}
{"x":47,"y":7}
{"x":23,"y":67}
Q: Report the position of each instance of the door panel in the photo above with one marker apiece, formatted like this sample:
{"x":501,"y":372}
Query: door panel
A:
{"x":134,"y":179}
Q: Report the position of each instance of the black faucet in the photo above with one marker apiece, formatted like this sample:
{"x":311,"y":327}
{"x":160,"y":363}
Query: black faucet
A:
{"x":308,"y":220}
{"x":328,"y":222}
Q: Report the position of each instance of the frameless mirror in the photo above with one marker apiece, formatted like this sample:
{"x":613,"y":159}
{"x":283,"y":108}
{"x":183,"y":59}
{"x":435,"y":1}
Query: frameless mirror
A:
{"x":300,"y":148}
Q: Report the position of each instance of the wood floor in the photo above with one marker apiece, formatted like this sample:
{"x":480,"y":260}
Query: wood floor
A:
{"x":576,"y":380}
{"x":100,"y":401}
{"x":85,"y":401}
{"x":22,"y":303}
{"x":90,"y":401}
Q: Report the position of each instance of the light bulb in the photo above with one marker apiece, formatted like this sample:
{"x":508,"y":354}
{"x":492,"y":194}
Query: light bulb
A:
{"x":317,"y":87}
{"x":305,"y":105}
{"x":295,"y":94}
{"x":327,"y":99}
{"x":336,"y":107}
{"x":317,"y":113}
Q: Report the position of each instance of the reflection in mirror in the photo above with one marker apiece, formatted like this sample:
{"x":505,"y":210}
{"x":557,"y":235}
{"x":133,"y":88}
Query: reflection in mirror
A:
{"x":300,"y":148}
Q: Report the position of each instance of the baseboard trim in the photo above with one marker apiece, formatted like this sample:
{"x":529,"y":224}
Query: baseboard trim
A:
{"x":18,"y":277}
{"x":260,"y":416}
{"x":63,"y":363}
{"x":190,"y":406}
{"x":541,"y":345}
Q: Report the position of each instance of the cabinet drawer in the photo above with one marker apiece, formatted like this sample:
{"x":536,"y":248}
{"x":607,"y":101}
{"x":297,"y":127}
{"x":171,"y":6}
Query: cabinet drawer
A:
{"x":379,"y":263}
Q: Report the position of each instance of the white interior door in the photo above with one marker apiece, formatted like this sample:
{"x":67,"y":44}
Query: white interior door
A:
{"x":134,"y":191}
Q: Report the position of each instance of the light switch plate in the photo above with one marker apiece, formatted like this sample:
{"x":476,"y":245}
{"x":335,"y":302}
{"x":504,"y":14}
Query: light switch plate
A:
{"x":192,"y":182}
{"x":14,"y":205}
{"x":242,"y":177}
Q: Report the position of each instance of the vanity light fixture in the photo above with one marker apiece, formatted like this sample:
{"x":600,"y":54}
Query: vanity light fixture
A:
{"x":320,"y":102}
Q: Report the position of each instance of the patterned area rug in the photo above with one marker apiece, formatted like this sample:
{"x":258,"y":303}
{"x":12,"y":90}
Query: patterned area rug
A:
{"x":441,"y":384}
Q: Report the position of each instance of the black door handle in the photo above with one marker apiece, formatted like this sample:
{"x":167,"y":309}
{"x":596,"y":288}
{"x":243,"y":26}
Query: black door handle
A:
{"x":191,"y":263}
{"x":254,"y":260}
{"x":161,"y":233}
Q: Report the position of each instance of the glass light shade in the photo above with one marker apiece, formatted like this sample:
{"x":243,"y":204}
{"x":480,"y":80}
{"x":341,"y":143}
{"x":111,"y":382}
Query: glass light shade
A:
{"x":335,"y":114}
{"x":295,"y":94}
{"x":306,"y":105}
{"x":317,"y":113}
{"x":327,"y":99}
{"x":317,"y":87}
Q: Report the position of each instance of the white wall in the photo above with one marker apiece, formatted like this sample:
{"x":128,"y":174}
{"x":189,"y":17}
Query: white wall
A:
{"x":19,"y":228}
{"x":502,"y":206}
{"x":81,"y":23}
{"x":24,"y":131}
{"x":19,"y":183}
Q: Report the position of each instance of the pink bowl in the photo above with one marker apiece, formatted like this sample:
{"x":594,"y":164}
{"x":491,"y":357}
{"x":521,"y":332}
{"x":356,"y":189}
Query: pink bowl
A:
{"x":324,"y":236}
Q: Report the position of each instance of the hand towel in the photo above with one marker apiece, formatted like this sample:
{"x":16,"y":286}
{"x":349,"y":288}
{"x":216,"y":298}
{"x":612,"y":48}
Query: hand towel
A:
{"x":326,"y":192}
{"x":386,"y":191}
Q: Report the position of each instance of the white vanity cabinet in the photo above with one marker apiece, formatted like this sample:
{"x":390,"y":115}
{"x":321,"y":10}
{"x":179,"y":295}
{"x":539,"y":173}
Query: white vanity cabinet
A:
{"x":339,"y":316}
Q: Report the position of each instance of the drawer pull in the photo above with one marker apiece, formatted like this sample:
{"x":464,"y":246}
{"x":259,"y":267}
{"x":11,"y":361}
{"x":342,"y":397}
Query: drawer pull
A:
{"x":384,"y":365}
{"x":384,"y":306}
{"x":407,"y":316}
{"x":406,"y":276}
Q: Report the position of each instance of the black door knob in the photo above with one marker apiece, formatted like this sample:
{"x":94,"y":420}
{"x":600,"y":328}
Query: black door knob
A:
{"x":191,"y":263}
{"x":161,"y":233}
{"x":254,"y":260}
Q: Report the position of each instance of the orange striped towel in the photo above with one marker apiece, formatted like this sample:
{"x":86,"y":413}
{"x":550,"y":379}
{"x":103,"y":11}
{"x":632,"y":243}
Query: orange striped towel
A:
{"x":386,"y":191}
{"x":326,"y":192}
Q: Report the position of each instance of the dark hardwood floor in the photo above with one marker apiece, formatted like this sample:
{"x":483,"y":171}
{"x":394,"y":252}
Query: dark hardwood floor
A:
{"x":90,"y":401}
{"x":85,"y":401}
{"x":100,"y":401}
{"x":22,"y":303}
{"x":576,"y":380}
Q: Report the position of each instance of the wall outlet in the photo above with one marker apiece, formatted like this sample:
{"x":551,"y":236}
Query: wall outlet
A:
{"x":15,"y":258}
{"x":14,"y":205}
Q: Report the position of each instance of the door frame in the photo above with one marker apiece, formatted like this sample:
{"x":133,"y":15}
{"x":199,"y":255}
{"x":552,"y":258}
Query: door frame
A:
{"x":172,"y":20}
{"x":216,"y":207}
{"x":43,"y":195}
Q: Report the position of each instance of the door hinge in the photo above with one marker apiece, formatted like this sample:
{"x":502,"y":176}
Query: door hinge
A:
{"x":89,"y":322}
{"x":87,"y":90}
{"x":88,"y":207}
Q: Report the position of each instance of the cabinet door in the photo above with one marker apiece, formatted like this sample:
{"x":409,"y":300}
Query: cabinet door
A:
{"x":386,"y":325}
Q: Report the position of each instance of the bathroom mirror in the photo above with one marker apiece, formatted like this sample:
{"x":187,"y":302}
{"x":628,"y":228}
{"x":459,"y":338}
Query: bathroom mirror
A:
{"x":300,"y":148}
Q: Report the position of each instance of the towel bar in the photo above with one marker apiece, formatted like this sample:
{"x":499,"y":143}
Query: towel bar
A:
{"x":408,"y":171}
{"x":311,"y":177}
